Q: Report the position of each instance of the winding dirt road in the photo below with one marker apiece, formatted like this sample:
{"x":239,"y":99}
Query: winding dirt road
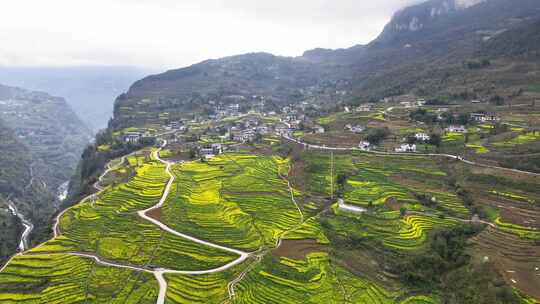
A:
{"x":158,"y":273}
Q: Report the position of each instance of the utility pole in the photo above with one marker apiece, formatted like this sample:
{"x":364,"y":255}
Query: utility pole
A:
{"x":332,"y":174}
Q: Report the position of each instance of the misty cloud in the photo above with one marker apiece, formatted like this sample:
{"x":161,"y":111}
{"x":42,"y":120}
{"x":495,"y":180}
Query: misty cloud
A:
{"x":172,"y":33}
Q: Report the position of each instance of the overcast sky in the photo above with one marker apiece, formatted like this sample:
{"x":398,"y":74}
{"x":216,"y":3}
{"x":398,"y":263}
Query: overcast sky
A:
{"x":175,"y":33}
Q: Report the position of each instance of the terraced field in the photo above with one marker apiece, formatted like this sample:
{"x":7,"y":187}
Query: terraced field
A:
{"x":110,"y":228}
{"x":313,"y":280}
{"x":378,"y":183}
{"x":242,"y":201}
{"x":62,"y":278}
{"x":236,"y":200}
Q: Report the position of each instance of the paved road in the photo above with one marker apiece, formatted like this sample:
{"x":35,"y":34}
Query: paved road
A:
{"x":455,"y":157}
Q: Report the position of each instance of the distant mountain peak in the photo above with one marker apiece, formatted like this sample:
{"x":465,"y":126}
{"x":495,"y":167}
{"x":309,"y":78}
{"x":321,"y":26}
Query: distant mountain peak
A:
{"x":463,"y":4}
{"x":421,"y":16}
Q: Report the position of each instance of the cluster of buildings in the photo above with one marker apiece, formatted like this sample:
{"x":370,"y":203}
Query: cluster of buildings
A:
{"x":176,"y":126}
{"x":231,"y":110}
{"x":247,"y":130}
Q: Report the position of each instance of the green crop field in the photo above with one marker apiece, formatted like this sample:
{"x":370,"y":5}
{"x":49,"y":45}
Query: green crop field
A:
{"x":237,"y":200}
{"x":111,"y":228}
{"x":519,"y":139}
{"x":60,"y":279}
{"x":313,"y":280}
{"x":311,"y":253}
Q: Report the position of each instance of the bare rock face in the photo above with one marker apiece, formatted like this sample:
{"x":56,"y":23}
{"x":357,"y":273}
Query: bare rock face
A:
{"x":463,"y":4}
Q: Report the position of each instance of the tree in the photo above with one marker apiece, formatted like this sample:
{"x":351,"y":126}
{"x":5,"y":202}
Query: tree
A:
{"x":435,"y":139}
{"x":402,"y":211}
{"x":375,"y":136}
{"x":192,"y":153}
{"x":341,"y":182}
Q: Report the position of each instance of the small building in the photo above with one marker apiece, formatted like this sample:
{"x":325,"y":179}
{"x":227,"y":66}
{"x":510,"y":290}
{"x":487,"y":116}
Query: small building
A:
{"x":407,"y":104}
{"x":284,"y":131}
{"x":319,"y":129}
{"x":132,"y":137}
{"x":208,"y":151}
{"x":364,"y":145}
{"x":422,"y":136}
{"x":175,"y":125}
{"x":357,"y":129}
{"x":218,"y":148}
{"x":420,"y":102}
{"x":456,"y":128}
{"x":406,"y":148}
{"x":363,"y":108}
{"x":481,"y":117}
{"x":248,"y":135}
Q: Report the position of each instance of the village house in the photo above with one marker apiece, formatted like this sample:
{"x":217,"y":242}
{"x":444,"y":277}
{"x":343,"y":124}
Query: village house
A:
{"x":176,"y":125}
{"x":455,"y":128}
{"x":482,"y":117}
{"x":318,"y":129}
{"x":132,"y":137}
{"x":406,"y":148}
{"x":294,"y":124}
{"x":364,"y":145}
{"x":421,"y":136}
{"x":407,"y":104}
{"x":357,"y":129}
{"x":284,"y":131}
{"x":363,"y":108}
{"x":218,"y":148}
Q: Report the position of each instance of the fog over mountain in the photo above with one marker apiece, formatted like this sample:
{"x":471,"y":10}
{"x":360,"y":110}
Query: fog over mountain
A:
{"x":88,"y":90}
{"x":168,"y":34}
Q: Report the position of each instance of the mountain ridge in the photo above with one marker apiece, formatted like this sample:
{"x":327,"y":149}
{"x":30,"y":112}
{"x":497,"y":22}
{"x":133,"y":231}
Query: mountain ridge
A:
{"x":444,"y":34}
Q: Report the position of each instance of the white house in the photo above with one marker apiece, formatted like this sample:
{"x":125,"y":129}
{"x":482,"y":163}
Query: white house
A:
{"x":455,"y":128}
{"x":363,"y":108}
{"x":207,"y":152}
{"x":364,"y":145}
{"x":406,"y":148}
{"x":422,"y":136}
{"x":481,"y":117}
{"x":132,"y":137}
{"x":283,"y":131}
{"x":319,"y":130}
{"x":357,"y":129}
